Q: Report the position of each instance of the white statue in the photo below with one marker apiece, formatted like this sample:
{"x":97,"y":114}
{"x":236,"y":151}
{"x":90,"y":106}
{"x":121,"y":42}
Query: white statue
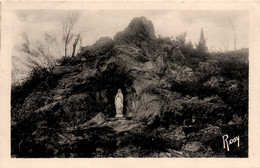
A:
{"x":119,"y":104}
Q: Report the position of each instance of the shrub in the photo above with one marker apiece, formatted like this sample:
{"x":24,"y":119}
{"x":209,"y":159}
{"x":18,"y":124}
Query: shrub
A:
{"x":193,"y":89}
{"x":20,"y":92}
{"x":64,"y":60}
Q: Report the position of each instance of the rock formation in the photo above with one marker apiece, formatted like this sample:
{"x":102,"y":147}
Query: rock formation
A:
{"x":70,"y":113}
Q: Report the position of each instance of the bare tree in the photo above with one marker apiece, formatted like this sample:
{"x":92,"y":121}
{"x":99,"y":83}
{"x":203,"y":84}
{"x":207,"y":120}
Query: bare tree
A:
{"x":234,"y":27}
{"x":225,"y":45}
{"x":78,"y":38}
{"x":44,"y":51}
{"x":75,"y":44}
{"x":68,"y":26}
{"x":38,"y":53}
{"x":235,"y":37}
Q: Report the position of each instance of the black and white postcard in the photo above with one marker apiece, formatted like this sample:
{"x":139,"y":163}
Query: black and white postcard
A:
{"x":129,"y":84}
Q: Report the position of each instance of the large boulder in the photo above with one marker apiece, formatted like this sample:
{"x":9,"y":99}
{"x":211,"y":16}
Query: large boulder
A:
{"x":131,"y":57}
{"x":100,"y":47}
{"x":74,"y":107}
{"x":149,"y":106}
{"x":161,"y":63}
{"x":140,"y":29}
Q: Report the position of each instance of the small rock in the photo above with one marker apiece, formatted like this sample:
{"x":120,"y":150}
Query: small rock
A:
{"x":168,"y":154}
{"x":193,"y":146}
{"x":98,"y":119}
{"x":175,"y":153}
{"x":178,"y":133}
{"x":154,"y":155}
{"x":235,"y":120}
{"x":83,"y":59}
{"x":210,"y":133}
{"x":163,"y":154}
{"x":49,"y":107}
{"x":127,"y":151}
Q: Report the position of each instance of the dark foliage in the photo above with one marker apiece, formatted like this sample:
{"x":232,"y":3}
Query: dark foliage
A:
{"x":64,"y":60}
{"x":193,"y":89}
{"x":20,"y":92}
{"x":33,"y":135}
{"x":103,"y":138}
{"x":146,"y":142}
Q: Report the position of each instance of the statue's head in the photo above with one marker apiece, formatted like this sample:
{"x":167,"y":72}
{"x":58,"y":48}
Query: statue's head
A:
{"x":119,"y":91}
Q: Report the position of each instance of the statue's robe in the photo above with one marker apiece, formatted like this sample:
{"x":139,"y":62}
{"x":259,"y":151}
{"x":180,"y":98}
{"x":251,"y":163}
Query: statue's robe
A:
{"x":119,"y":105}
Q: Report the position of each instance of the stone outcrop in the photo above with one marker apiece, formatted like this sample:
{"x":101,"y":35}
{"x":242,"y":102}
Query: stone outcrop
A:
{"x":139,"y":29}
{"x":101,"y":47}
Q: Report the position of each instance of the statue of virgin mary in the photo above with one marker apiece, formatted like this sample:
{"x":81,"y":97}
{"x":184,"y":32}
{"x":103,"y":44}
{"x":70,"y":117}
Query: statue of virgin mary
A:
{"x":119,"y":104}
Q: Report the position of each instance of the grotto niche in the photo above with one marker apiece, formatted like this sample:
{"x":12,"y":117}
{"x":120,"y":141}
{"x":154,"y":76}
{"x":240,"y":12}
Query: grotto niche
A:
{"x":106,"y":85}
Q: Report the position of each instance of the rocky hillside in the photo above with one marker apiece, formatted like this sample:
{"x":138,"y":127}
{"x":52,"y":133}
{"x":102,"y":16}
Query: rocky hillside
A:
{"x":178,"y":102}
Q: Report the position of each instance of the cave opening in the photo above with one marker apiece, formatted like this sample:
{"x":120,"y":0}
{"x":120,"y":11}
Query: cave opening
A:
{"x":106,"y":86}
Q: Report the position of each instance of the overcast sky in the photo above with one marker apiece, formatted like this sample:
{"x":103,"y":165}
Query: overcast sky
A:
{"x":217,"y":25}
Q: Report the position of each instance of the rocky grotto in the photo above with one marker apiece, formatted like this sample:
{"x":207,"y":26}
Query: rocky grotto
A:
{"x":178,"y":102}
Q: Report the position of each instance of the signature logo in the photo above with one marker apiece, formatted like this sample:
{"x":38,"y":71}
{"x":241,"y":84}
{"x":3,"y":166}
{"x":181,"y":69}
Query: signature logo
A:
{"x":227,"y":142}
